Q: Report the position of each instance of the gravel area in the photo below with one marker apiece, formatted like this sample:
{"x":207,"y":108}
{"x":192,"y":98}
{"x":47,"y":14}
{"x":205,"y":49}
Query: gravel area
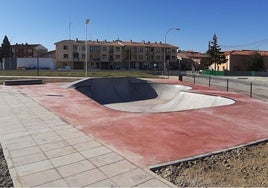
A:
{"x":244,"y":167}
{"x":5,"y":179}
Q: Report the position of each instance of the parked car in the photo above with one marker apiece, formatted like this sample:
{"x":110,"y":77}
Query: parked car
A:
{"x":65,"y":68}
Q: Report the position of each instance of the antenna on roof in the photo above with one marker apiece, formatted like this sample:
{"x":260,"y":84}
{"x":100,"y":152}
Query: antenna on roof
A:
{"x":70,"y":28}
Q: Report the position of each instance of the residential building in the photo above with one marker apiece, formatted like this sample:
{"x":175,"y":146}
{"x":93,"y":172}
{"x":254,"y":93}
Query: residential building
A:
{"x":237,"y":60}
{"x":114,"y":54}
{"x":191,"y":60}
{"x":28,"y":56}
{"x":27,"y":50}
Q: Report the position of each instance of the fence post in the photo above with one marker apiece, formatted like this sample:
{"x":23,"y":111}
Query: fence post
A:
{"x":250,"y":94}
{"x":227,"y":84}
{"x":194,"y":78}
{"x":209,"y":81}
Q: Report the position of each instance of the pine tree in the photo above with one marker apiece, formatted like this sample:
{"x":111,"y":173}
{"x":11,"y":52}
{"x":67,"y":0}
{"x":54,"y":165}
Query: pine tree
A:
{"x":5,"y":48}
{"x":214,"y":52}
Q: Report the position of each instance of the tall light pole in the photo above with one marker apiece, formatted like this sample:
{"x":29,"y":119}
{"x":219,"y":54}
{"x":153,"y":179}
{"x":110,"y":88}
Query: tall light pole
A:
{"x":86,"y":23}
{"x":171,"y":29}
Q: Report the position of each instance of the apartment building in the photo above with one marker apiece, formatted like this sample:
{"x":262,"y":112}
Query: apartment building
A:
{"x":114,"y":54}
{"x":27,"y":50}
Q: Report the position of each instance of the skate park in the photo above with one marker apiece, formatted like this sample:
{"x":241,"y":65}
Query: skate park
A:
{"x":219,"y":120}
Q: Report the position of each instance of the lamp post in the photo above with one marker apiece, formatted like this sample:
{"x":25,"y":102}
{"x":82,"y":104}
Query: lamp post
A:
{"x":10,"y":51}
{"x":174,"y":28}
{"x":86,"y":23}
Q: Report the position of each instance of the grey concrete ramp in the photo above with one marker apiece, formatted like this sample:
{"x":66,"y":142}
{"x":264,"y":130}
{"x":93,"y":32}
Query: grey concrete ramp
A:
{"x":137,"y":95}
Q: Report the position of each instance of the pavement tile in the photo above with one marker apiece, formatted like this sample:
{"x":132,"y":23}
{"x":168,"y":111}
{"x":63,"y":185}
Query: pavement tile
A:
{"x":73,"y":135}
{"x":17,"y":140}
{"x":39,"y":131}
{"x":16,"y":134}
{"x":132,"y":178}
{"x":21,"y":145}
{"x":62,"y":127}
{"x":45,"y":140}
{"x":105,"y":159}
{"x":27,"y":159}
{"x":53,"y":145}
{"x":85,"y":178}
{"x":36,"y":127}
{"x":48,"y":133}
{"x":117,"y":168}
{"x":66,"y":130}
{"x":60,"y":152}
{"x":79,"y":140}
{"x":33,"y":168}
{"x":56,"y":183}
{"x":54,"y":122}
{"x":104,"y":183}
{"x":87,"y":145}
{"x":40,"y":178}
{"x":75,"y":168}
{"x":24,"y":151}
{"x":95,"y":152}
{"x":10,"y":130}
{"x":153,"y":183}
{"x":67,"y":159}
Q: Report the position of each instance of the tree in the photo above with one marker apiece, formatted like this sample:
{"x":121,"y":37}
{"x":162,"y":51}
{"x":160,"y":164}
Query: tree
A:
{"x":214,"y":52}
{"x":256,"y":62}
{"x":5,"y":48}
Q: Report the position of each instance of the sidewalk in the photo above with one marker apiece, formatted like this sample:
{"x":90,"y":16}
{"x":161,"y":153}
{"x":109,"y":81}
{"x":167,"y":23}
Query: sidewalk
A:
{"x":44,"y":151}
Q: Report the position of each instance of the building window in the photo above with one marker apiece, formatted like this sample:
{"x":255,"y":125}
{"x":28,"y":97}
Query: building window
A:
{"x":66,"y":47}
{"x":111,"y":49}
{"x":140,"y":49}
{"x":140,"y":57}
{"x":135,"y":49}
{"x":104,"y":48}
{"x":30,"y":50}
{"x":173,"y":50}
{"x":117,"y":57}
{"x":158,"y":57}
{"x":158,"y":50}
{"x":83,"y":47}
{"x":94,"y":49}
{"x":104,"y":56}
{"x":173,"y":58}
{"x":117,"y":49}
{"x":65,"y":56}
{"x":75,"y":47}
{"x":83,"y":56}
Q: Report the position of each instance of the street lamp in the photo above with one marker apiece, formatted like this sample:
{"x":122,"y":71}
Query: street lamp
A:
{"x":87,"y":22}
{"x":171,"y":29}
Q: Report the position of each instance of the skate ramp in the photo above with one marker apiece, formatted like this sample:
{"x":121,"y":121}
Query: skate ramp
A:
{"x":137,"y":95}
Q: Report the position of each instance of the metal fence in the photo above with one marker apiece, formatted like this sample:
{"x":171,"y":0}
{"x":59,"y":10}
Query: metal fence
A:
{"x":254,"y":88}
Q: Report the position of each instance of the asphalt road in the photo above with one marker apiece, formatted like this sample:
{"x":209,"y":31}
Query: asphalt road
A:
{"x":257,"y":87}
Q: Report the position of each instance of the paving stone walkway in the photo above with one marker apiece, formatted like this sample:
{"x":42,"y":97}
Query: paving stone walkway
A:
{"x":44,"y":151}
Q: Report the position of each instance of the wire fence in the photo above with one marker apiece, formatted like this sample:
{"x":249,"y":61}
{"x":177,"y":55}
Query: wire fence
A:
{"x":244,"y":85}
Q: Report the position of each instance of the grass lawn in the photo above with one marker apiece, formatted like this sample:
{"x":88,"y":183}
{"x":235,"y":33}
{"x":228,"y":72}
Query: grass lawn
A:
{"x":19,"y":74}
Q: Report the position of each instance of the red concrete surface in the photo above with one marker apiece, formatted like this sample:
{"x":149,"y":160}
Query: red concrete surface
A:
{"x":148,"y":139}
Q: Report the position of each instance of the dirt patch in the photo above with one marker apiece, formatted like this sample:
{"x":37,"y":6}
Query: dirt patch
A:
{"x":5,"y":179}
{"x":245,"y":166}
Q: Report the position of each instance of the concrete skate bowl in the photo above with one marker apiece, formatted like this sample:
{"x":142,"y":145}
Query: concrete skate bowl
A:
{"x":137,"y":95}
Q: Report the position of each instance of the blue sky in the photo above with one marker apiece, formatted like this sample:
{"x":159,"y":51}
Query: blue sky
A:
{"x":239,"y":24}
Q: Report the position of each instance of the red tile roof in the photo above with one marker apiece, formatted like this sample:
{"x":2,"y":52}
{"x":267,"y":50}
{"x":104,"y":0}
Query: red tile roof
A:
{"x":245,"y":52}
